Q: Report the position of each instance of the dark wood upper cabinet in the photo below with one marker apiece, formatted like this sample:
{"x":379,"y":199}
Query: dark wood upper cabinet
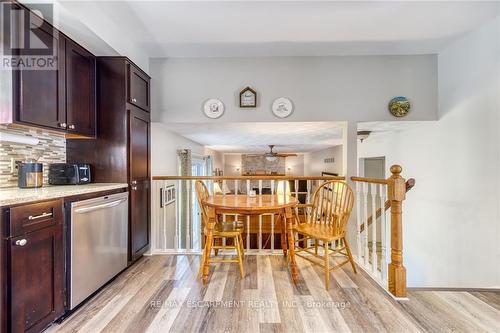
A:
{"x":138,"y":91}
{"x":36,"y":273}
{"x":59,"y":96}
{"x":38,"y":94}
{"x":80,"y":89}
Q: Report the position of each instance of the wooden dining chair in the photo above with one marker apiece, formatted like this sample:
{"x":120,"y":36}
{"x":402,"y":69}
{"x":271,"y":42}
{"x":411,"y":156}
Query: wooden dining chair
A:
{"x":221,"y":231}
{"x":331,"y":208}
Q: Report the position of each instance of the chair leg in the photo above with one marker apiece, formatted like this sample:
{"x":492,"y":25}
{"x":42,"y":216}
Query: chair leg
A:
{"x":238,"y":252}
{"x":203,"y":258}
{"x":327,"y":266}
{"x":241,"y":245}
{"x":349,"y":254}
{"x":218,"y":242}
{"x":206,"y":262}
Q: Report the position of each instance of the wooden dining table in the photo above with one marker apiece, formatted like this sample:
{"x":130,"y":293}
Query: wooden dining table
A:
{"x":279,"y":204}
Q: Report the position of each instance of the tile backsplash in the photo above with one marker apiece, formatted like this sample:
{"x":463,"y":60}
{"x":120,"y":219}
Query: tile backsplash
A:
{"x":50,"y":149}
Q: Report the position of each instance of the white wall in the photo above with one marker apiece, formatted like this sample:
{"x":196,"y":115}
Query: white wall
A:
{"x":314,"y":162}
{"x":98,"y":27}
{"x":295,"y":164}
{"x":231,"y":162}
{"x":321,"y":88}
{"x":164,"y":146}
{"x":451,"y":218}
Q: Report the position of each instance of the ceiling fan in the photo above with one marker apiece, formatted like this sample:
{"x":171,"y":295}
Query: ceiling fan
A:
{"x":272,"y":156}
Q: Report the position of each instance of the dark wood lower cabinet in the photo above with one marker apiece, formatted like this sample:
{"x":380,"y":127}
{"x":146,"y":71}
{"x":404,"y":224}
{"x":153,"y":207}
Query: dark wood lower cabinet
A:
{"x":139,"y":218}
{"x":35,"y":275}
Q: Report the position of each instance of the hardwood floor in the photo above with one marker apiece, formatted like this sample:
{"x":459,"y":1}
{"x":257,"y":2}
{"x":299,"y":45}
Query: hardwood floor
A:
{"x":162,"y":294}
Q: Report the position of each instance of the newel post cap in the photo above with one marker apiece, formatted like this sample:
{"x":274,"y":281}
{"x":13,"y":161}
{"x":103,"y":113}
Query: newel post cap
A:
{"x":396,"y":169}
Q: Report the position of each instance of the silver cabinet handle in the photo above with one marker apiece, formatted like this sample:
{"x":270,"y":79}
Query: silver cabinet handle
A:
{"x":31,"y":217}
{"x":134,"y":100}
{"x":134,"y":188}
{"x":72,"y":127}
{"x":134,"y":182}
{"x":63,"y":125}
{"x":21,"y":242}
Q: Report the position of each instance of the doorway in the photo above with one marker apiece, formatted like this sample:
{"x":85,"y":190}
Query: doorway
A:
{"x":372,"y":167}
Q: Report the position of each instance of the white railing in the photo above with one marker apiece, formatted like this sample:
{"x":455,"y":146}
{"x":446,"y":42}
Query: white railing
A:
{"x":379,"y":239}
{"x":372,"y":235}
{"x":177,"y":230}
{"x":176,"y":226}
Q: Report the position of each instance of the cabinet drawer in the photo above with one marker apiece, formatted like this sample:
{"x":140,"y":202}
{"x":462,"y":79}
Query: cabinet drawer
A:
{"x":138,"y":88}
{"x":28,"y":218}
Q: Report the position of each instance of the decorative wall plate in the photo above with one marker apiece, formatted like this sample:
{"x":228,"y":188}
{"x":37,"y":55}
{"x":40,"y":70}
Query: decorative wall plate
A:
{"x":282,"y":107}
{"x":213,"y":108}
{"x":399,"y":106}
{"x":248,"y":98}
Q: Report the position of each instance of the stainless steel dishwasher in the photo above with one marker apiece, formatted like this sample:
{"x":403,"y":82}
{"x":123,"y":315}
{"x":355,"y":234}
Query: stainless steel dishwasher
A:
{"x":99,"y":235}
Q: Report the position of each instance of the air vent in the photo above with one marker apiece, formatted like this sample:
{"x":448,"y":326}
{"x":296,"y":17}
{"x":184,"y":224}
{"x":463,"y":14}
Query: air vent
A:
{"x":329,"y":160}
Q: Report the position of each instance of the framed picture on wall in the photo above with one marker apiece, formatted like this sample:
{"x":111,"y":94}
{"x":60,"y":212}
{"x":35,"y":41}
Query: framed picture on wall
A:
{"x":170,"y":194}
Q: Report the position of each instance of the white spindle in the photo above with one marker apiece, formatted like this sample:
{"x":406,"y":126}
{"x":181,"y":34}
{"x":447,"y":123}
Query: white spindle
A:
{"x":260,"y":233}
{"x":224,"y":186}
{"x":260,"y":219}
{"x":307,"y":211}
{"x":272,"y":233}
{"x":177,"y":216}
{"x":365,"y":222}
{"x":373,"y":191}
{"x":358,"y":219}
{"x":188,"y":215}
{"x":383,"y":264}
{"x":236,"y":186}
{"x":272,"y":219}
{"x":248,"y":186}
{"x":248,"y":232}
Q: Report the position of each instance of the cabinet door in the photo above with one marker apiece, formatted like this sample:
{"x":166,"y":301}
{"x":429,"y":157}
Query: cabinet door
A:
{"x":139,"y":218}
{"x":138,"y":88}
{"x":80,"y":89}
{"x":139,"y":182}
{"x":39,"y":94}
{"x":36,"y":275}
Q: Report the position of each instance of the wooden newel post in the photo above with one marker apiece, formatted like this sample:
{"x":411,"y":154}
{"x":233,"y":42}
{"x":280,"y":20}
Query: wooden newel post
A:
{"x":397,"y":272}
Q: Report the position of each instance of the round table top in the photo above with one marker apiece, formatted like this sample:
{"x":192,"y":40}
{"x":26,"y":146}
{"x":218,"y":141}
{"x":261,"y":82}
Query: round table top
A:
{"x":250,"y":204}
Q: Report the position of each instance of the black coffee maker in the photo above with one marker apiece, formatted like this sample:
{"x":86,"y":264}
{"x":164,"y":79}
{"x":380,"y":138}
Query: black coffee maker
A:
{"x":30,"y":174}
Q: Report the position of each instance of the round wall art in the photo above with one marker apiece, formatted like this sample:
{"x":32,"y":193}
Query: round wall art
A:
{"x":282,"y":107}
{"x":399,"y":106}
{"x":213,"y":108}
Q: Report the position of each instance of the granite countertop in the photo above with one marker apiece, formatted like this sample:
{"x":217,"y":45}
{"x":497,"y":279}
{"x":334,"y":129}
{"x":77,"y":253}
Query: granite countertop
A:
{"x":15,"y":195}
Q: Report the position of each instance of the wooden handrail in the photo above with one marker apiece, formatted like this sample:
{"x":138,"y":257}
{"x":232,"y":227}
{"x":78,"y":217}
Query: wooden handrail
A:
{"x":263,"y":177}
{"x":409,"y":185}
{"x":370,"y":180}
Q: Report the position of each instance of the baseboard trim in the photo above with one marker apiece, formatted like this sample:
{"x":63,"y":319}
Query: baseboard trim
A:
{"x":452,"y":289}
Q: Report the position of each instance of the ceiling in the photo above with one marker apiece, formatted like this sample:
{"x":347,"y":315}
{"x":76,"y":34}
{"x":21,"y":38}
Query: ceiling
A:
{"x":255,"y":137}
{"x":388,"y":126}
{"x":282,"y":28}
